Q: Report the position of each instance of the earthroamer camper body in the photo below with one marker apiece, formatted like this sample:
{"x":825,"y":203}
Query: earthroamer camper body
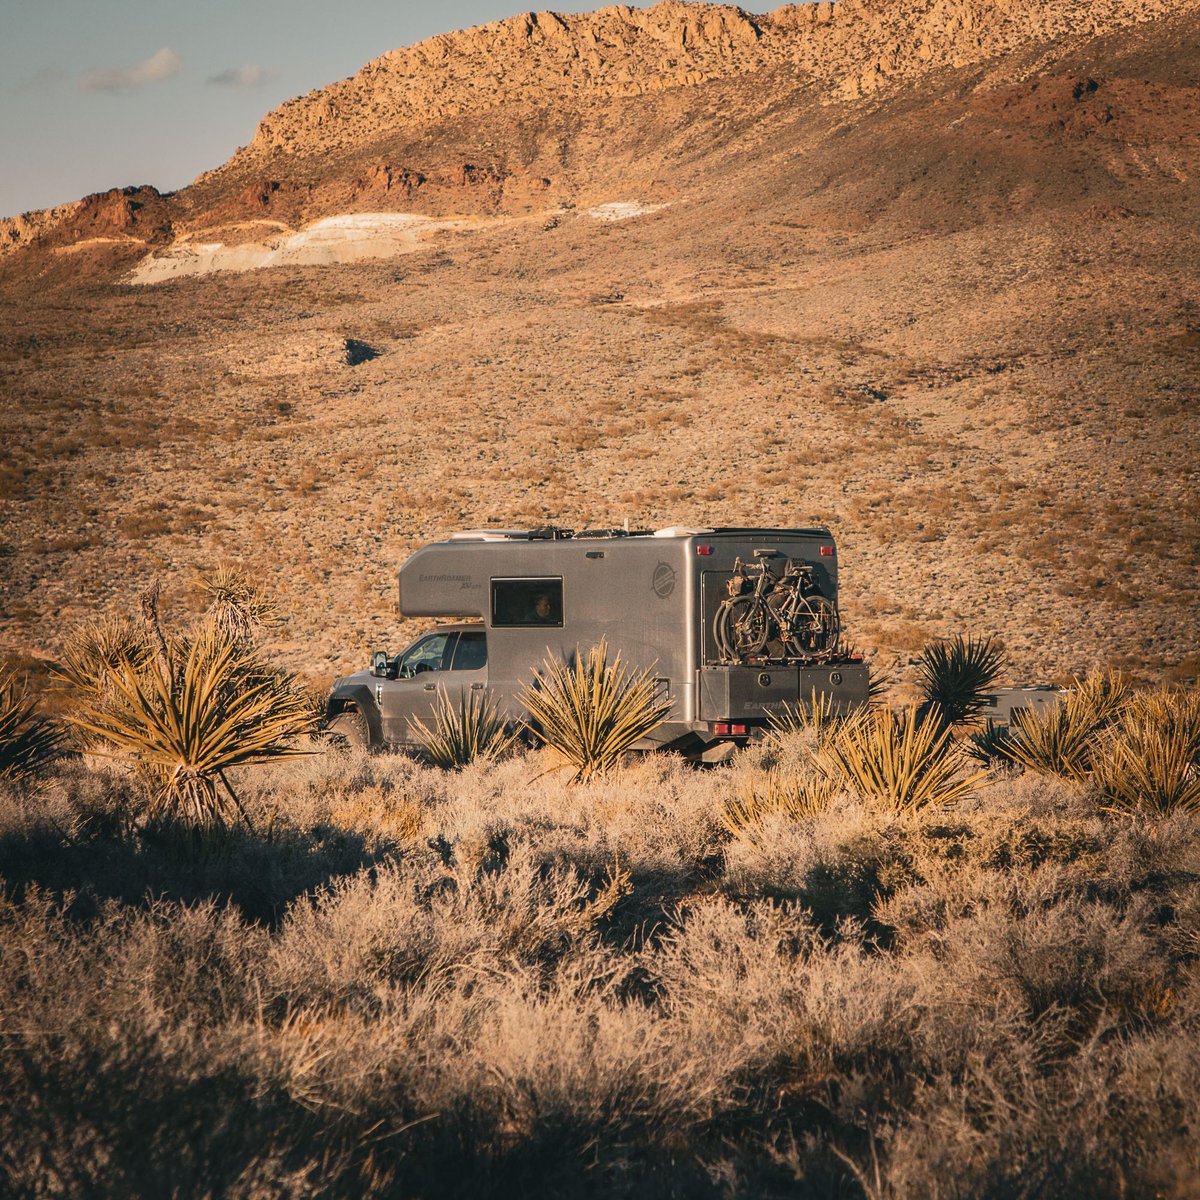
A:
{"x":694,"y":606}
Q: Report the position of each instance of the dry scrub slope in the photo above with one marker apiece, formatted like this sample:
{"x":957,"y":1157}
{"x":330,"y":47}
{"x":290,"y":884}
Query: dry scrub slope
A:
{"x":921,"y":269}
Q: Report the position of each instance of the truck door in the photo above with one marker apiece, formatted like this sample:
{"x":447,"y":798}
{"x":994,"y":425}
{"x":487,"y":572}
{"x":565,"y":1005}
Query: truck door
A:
{"x":449,"y":662}
{"x":412,"y":694}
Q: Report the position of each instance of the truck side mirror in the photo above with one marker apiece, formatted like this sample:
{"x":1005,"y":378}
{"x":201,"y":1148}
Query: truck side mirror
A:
{"x":379,"y":664}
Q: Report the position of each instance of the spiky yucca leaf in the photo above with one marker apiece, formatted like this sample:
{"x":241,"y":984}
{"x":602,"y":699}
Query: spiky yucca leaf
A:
{"x":190,"y":722}
{"x":819,"y":718}
{"x":1171,"y":711}
{"x":1148,"y":762}
{"x":471,"y":728}
{"x":97,"y":649}
{"x":1146,"y":769}
{"x":991,"y":746}
{"x":27,"y":743}
{"x":902,"y":762}
{"x":592,"y":712}
{"x":1063,"y":739}
{"x":237,"y":605}
{"x":954,"y":676}
{"x":794,"y":797}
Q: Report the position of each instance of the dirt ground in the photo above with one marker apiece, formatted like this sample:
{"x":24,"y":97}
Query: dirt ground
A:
{"x":958,"y":320}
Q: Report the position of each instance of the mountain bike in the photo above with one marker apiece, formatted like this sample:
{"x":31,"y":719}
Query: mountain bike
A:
{"x":784,"y":614}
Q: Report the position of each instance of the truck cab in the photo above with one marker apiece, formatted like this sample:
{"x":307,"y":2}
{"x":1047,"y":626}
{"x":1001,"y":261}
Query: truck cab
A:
{"x":378,"y":706}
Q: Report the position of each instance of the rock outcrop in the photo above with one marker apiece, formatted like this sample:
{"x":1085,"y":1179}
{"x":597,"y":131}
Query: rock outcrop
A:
{"x":544,"y":59}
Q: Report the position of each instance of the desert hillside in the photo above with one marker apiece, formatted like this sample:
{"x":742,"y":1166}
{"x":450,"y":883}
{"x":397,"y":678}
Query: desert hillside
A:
{"x":923,"y":269}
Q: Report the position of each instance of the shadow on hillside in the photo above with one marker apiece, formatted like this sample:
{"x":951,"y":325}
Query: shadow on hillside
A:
{"x":258,"y":874}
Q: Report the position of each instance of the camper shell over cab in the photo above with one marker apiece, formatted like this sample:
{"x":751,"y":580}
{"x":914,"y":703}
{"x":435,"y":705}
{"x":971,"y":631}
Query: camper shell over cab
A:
{"x":734,"y":623}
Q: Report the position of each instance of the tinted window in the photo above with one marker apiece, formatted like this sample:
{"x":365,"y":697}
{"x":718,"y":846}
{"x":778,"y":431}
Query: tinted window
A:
{"x":527,"y":602}
{"x":471,"y":653}
{"x":429,"y":654}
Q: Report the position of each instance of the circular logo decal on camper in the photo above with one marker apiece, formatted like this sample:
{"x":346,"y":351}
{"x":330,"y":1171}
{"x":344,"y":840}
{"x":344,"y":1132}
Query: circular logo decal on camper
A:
{"x":664,"y":580}
{"x":836,"y":678}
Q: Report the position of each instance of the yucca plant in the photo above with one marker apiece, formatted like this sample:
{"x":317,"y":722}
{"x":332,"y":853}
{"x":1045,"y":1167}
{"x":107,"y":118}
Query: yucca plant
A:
{"x":471,"y":727}
{"x":1147,"y":769}
{"x":901,"y":762}
{"x":1062,"y":739}
{"x":97,"y":649}
{"x":27,"y":742}
{"x":991,"y":746}
{"x":187,"y":721}
{"x":1171,"y":711}
{"x":820,"y":718}
{"x":954,"y":676}
{"x":592,"y":711}
{"x":237,"y":606}
{"x":792,"y":796}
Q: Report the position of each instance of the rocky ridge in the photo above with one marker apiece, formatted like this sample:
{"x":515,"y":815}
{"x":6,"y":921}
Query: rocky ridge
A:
{"x":537,"y":59}
{"x":559,"y":65}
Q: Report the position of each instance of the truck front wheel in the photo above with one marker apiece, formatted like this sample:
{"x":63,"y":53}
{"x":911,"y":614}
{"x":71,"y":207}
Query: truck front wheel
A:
{"x":349,"y":729}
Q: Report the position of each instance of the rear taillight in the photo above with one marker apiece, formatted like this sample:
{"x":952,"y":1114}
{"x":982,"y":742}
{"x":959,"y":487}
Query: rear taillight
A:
{"x":826,"y":551}
{"x":704,"y":551}
{"x":731,"y":728}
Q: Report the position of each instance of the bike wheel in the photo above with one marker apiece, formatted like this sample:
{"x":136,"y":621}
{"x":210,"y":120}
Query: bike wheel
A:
{"x":743,"y":625}
{"x":816,"y":627}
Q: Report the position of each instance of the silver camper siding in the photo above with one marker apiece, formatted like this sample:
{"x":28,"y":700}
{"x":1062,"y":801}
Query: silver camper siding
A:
{"x":651,"y":598}
{"x":634,"y":593}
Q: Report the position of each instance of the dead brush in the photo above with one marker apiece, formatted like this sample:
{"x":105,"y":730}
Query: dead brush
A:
{"x":797,"y":798}
{"x":466,"y":729}
{"x":900,"y":762}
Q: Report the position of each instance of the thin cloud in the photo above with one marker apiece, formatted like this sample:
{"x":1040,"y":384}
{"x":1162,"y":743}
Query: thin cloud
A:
{"x":43,"y":78}
{"x":247,"y":75}
{"x":154,"y":69}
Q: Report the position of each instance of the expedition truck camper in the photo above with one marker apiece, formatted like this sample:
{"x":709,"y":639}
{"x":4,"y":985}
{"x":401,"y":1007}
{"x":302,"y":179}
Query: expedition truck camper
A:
{"x":733,"y":623}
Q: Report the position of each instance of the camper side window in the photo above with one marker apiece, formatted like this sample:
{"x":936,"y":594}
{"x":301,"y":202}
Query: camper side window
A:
{"x":527,"y":602}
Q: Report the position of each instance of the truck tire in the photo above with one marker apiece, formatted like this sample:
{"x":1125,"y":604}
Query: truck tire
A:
{"x":350,"y":729}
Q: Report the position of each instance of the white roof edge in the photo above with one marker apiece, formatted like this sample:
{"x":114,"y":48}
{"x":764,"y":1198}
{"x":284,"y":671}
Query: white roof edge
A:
{"x":674,"y":531}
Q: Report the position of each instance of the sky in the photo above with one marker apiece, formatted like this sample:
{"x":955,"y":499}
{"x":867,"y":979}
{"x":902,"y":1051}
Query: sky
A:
{"x":95,"y":95}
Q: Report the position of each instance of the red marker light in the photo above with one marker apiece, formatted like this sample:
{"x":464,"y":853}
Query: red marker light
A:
{"x":704,"y":551}
{"x":721,"y":727}
{"x":826,"y":551}
{"x":738,"y":730}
